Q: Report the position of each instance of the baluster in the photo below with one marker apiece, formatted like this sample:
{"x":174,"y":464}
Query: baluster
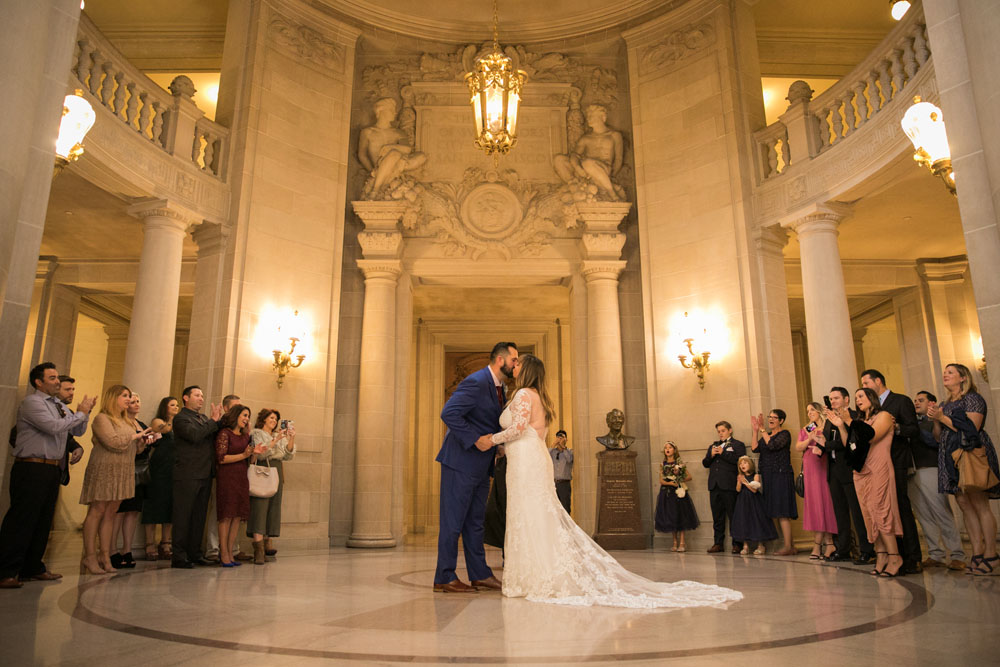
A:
{"x":144,"y":115}
{"x":884,"y":82}
{"x":786,"y":152}
{"x":132,"y":106}
{"x":862,"y":103}
{"x":95,"y":72}
{"x":874,"y":102}
{"x":120,"y":94}
{"x":196,"y":144}
{"x":772,"y":158}
{"x":920,"y":45}
{"x":84,"y":63}
{"x":909,"y":59}
{"x":209,"y":153}
{"x":108,"y":86}
{"x":823,"y":127}
{"x":850,"y":119}
{"x":838,"y":124}
{"x":157,"y":123}
{"x":897,"y":71}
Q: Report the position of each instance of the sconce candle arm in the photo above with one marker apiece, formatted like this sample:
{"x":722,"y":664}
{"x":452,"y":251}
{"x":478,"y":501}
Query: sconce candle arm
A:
{"x":699,"y":362}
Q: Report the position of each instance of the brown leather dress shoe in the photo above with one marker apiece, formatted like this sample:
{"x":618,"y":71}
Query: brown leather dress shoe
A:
{"x":10,"y":582}
{"x":957,"y":565}
{"x":716,"y":549}
{"x":43,"y":576}
{"x":454,"y":586}
{"x":492,"y":583}
{"x":736,"y":549}
{"x":930,"y":562}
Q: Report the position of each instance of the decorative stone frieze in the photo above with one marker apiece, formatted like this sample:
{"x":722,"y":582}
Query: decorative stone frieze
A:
{"x":306,"y":44}
{"x":676,"y":47}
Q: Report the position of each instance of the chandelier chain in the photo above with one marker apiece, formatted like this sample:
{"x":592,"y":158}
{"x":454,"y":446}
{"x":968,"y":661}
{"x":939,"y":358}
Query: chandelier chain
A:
{"x":496,"y":28}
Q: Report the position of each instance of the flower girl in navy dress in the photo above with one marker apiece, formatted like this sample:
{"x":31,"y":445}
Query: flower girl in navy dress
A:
{"x":675,"y":512}
{"x":750,"y":522}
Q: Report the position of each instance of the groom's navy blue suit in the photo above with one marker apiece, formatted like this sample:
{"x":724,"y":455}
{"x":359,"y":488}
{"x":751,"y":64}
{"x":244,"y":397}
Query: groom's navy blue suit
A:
{"x":472,"y":411}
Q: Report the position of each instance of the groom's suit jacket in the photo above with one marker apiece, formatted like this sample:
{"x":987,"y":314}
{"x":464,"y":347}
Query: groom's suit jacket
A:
{"x":473,"y":410}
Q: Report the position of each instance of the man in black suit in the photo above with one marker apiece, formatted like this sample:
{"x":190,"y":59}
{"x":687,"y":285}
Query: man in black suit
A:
{"x":841,"y":480}
{"x":194,"y":459}
{"x":907,"y":431}
{"x":721,"y":460}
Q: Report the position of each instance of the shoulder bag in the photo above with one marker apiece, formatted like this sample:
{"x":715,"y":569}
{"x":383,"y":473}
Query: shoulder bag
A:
{"x":263,"y":480}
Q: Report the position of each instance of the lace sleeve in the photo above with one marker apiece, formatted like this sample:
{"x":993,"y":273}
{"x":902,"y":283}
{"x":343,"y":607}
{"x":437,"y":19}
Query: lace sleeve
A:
{"x":221,"y":445}
{"x":520,"y":410}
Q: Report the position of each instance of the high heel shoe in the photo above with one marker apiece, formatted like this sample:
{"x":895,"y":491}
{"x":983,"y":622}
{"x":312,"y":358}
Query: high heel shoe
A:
{"x":884,"y":572}
{"x":151,"y":553}
{"x":116,"y":561}
{"x":988,"y":567}
{"x":817,"y":551}
{"x":876,"y":571}
{"x":88,"y":568}
{"x":973,"y":566}
{"x":832,"y":550}
{"x":127,"y":561}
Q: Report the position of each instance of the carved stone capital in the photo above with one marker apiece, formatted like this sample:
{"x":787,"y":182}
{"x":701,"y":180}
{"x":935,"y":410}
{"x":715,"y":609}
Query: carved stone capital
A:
{"x":814,"y":218}
{"x":380,"y":215}
{"x":605,"y":245}
{"x":603,"y":216}
{"x":211,"y":238}
{"x":602,"y":270}
{"x":381,"y":244}
{"x":943,"y":271}
{"x":162,"y":213}
{"x":380,"y":269}
{"x":771,"y":239}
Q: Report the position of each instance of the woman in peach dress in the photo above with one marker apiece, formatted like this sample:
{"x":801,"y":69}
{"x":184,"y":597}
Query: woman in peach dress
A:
{"x":876,"y":485}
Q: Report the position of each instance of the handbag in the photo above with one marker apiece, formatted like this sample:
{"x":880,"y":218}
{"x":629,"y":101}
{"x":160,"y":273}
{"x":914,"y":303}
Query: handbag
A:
{"x":974,"y":473}
{"x":142,"y":474}
{"x":263,"y":480}
{"x":800,"y":486}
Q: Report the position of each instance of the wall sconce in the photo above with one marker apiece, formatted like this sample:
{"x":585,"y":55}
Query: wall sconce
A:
{"x":283,"y":358}
{"x":980,"y":353}
{"x":923,"y":123}
{"x":696,"y":341}
{"x":77,"y":119}
{"x":898,"y":8}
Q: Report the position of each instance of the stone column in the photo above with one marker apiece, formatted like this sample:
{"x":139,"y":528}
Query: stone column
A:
{"x":60,"y":328}
{"x":114,"y":363}
{"x":381,"y":243}
{"x":964,"y":34}
{"x":828,"y":320}
{"x":150,"y":350}
{"x":206,"y":310}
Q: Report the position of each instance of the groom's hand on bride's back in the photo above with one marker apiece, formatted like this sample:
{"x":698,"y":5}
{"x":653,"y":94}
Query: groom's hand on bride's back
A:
{"x":485,"y":442}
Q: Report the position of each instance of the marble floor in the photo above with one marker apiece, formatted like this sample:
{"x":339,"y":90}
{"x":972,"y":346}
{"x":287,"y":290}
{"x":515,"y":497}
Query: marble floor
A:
{"x":377,"y":607}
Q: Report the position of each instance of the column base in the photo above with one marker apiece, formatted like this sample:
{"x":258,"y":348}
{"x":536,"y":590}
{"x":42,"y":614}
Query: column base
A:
{"x":371,"y":541}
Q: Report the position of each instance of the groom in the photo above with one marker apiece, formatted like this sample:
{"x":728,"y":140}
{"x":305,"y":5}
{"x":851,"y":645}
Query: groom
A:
{"x":473,"y":410}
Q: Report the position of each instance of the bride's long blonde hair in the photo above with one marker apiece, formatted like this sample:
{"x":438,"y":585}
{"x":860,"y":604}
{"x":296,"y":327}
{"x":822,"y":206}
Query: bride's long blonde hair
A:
{"x":532,"y":376}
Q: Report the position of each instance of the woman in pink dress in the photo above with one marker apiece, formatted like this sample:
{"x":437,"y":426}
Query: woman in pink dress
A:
{"x":876,"y":485}
{"x":818,"y":515}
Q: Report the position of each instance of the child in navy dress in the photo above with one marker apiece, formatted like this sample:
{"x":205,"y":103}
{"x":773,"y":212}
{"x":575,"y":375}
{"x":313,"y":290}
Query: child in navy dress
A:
{"x":675,"y":512}
{"x":750,"y":522}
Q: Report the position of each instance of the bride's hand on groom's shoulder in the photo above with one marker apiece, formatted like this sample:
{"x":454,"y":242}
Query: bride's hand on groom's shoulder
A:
{"x":485,"y":442}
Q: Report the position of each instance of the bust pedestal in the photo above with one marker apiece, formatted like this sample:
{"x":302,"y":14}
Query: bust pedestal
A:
{"x":619,"y":522}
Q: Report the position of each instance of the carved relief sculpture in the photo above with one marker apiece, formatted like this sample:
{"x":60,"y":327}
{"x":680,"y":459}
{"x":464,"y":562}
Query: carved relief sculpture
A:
{"x":383,"y":150}
{"x":597,"y":156}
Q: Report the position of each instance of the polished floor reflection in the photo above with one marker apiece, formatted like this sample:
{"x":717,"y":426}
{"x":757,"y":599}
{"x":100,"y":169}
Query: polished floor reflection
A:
{"x":377,"y":606}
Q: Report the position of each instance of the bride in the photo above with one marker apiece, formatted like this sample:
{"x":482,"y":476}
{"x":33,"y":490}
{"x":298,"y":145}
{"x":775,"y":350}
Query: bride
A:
{"x":548,"y":557}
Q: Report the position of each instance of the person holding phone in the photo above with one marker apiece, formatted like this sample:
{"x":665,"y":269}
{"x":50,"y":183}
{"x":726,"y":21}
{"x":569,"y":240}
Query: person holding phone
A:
{"x":773,"y":444}
{"x":840,"y":477}
{"x":818,"y":515}
{"x":277,"y":437}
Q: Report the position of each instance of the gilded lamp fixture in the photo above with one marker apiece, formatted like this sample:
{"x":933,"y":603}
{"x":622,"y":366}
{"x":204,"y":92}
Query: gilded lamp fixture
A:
{"x":923,"y":123}
{"x":898,"y":8}
{"x":283,"y":358}
{"x":699,"y":358}
{"x":495,"y":90}
{"x":77,"y":119}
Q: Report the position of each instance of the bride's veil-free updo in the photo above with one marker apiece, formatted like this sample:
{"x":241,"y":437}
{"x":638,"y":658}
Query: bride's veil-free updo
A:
{"x":532,"y":376}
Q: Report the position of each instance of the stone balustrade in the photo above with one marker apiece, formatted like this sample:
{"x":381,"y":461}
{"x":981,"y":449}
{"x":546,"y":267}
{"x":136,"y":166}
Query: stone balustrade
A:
{"x":813,"y":126}
{"x":169,"y":120}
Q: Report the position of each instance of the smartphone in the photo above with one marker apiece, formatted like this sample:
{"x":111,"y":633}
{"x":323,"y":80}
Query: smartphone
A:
{"x":810,"y":427}
{"x":826,"y":402}
{"x":284,"y":424}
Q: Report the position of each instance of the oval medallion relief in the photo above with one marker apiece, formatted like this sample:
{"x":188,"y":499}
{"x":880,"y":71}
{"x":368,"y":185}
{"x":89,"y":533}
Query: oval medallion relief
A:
{"x":491,"y":211}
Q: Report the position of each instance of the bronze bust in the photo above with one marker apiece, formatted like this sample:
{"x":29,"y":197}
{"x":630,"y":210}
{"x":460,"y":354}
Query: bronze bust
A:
{"x":614,"y":438}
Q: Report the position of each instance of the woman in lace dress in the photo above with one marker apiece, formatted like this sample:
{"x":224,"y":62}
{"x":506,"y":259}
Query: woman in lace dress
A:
{"x":548,"y":557}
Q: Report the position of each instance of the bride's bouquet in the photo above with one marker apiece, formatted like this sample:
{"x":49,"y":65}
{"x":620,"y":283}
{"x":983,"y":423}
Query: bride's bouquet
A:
{"x":676,"y":472}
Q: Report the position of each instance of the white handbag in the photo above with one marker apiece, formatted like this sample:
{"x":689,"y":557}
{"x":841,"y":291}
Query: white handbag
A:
{"x":263,"y":480}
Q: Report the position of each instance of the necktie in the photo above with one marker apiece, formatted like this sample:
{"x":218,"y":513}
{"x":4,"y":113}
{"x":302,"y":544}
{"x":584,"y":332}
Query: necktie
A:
{"x":59,"y":407}
{"x":500,"y":394}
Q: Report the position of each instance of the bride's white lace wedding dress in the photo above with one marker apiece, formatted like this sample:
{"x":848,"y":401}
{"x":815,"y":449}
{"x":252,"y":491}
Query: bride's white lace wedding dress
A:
{"x":548,"y":558}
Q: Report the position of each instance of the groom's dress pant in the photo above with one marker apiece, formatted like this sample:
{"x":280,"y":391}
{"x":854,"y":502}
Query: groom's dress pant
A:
{"x":463,"y":511}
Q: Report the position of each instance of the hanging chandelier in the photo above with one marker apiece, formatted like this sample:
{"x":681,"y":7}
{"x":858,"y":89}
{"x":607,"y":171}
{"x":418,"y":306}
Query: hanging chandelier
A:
{"x":495,"y":89}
